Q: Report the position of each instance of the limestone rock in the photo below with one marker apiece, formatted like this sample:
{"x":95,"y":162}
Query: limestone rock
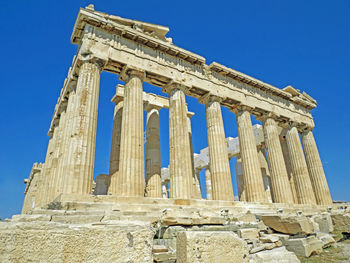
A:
{"x":269,"y":238}
{"x":289,"y":224}
{"x":127,"y":241}
{"x":277,"y":255}
{"x":305,"y":246}
{"x":248,"y":233}
{"x":324,"y":222}
{"x":198,"y":246}
{"x":326,"y":239}
{"x":341,"y":222}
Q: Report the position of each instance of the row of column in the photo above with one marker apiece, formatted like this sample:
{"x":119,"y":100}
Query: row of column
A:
{"x":70,"y":157}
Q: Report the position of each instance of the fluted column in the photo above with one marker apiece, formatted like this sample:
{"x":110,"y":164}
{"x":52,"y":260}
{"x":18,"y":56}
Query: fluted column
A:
{"x":80,"y":158}
{"x":131,"y":181}
{"x":252,"y":178}
{"x":315,"y":168}
{"x":218,"y":155}
{"x":115,"y":147}
{"x":196,"y":191}
{"x":208,"y":183}
{"x":281,"y":189}
{"x":181,"y":172}
{"x":288,"y":167}
{"x":265,"y":172}
{"x":55,"y":181}
{"x":153,"y":164}
{"x":302,"y":180}
{"x":44,"y":185}
{"x":239,"y":179}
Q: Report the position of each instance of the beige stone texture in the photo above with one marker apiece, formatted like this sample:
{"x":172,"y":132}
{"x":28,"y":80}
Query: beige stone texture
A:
{"x":239,"y":179}
{"x":181,"y":172}
{"x":301,"y":176}
{"x":287,"y":162}
{"x":32,"y":191}
{"x":315,"y":167}
{"x":115,"y":147}
{"x":153,"y":164}
{"x":103,"y":182}
{"x":208,"y":183}
{"x":289,"y":224}
{"x":281,"y":255}
{"x":324,"y":222}
{"x":79,"y":162}
{"x":248,"y":233}
{"x":278,"y":173}
{"x":305,"y":246}
{"x":252,"y":178}
{"x":39,"y":241}
{"x":210,"y":247}
{"x":221,"y":182}
{"x":265,"y":173}
{"x":130,"y":180}
{"x":341,"y":222}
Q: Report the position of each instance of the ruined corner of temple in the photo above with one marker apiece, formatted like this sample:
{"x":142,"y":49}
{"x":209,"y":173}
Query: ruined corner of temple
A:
{"x":142,"y":212}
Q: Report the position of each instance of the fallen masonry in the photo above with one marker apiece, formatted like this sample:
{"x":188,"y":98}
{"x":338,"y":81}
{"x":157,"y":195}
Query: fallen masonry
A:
{"x":140,"y":212}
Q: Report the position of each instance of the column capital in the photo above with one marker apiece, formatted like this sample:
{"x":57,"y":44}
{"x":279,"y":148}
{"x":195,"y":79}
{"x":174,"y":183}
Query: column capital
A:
{"x":208,"y":98}
{"x":151,"y":106}
{"x":268,"y":115}
{"x":241,"y":107}
{"x":90,"y":58}
{"x":174,"y":86}
{"x":129,"y":71}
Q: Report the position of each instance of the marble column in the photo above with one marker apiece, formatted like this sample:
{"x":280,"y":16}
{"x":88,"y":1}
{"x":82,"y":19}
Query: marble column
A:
{"x":281,"y":190}
{"x":315,"y":168}
{"x":252,"y":178}
{"x":208,"y":183}
{"x":153,"y":164}
{"x":131,"y":180}
{"x":302,"y":180}
{"x":239,"y":179}
{"x":80,"y":158}
{"x":55,"y":181}
{"x":218,"y":155}
{"x":44,"y":185}
{"x":265,"y":172}
{"x":115,"y":147}
{"x":181,"y":172}
{"x":196,"y":191}
{"x":288,"y":167}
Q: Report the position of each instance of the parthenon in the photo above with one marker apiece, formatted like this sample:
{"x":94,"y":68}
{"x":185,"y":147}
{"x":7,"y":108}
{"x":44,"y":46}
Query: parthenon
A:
{"x":140,"y":52}
{"x":278,"y":168}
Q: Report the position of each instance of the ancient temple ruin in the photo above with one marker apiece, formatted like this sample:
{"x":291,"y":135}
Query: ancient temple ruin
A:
{"x":278,"y":170}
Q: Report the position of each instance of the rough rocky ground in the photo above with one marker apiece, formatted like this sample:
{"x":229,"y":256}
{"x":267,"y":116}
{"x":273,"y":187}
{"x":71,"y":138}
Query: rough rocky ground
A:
{"x":338,"y":253}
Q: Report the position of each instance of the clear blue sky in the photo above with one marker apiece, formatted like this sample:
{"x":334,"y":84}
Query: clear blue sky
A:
{"x":300,"y":43}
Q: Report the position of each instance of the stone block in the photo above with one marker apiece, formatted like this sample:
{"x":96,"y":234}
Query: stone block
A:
{"x":210,"y":247}
{"x":341,"y":222}
{"x":248,"y":233}
{"x":305,"y":246}
{"x":57,"y":242}
{"x":326,"y":239}
{"x":280,"y":255}
{"x":324,"y":222}
{"x":289,"y":224}
{"x":269,"y":238}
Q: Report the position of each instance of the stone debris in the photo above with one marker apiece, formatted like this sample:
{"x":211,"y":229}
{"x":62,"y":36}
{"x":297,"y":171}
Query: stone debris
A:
{"x":304,"y":246}
{"x":276,"y":255}
{"x":289,"y":224}
{"x":248,"y":233}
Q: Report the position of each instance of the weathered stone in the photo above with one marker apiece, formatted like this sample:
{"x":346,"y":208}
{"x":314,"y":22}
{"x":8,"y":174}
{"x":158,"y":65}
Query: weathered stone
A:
{"x":257,"y":249}
{"x":324,"y":222}
{"x":53,"y":242}
{"x":159,"y":249}
{"x":289,"y":224}
{"x":248,"y":233}
{"x":269,"y":246}
{"x":304,"y":246}
{"x":341,"y":222}
{"x":210,"y":247}
{"x":326,"y":239}
{"x":269,"y":239}
{"x":280,"y":255}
